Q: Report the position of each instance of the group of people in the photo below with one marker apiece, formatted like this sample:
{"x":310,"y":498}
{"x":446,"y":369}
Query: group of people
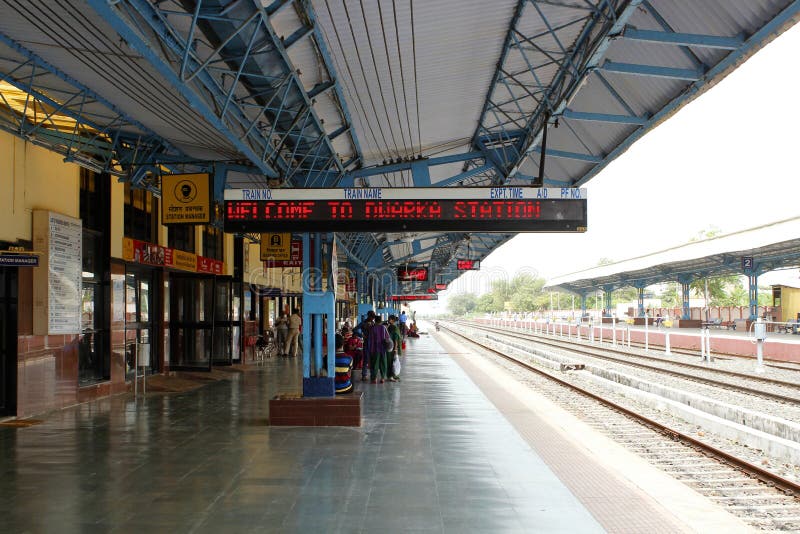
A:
{"x":287,"y":333}
{"x":374,"y":347}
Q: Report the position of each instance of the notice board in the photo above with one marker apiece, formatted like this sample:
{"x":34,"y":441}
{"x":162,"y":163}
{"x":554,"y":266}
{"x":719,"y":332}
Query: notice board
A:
{"x":57,"y":281}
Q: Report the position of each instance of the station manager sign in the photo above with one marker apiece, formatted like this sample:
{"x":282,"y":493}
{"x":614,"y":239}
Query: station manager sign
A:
{"x":185,"y":199}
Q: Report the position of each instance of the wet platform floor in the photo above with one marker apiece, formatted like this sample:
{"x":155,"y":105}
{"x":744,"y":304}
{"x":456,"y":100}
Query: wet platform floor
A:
{"x":433,"y":455}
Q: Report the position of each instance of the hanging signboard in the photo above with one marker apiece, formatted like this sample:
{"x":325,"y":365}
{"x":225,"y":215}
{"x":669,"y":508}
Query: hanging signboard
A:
{"x":276,"y":247}
{"x":145,"y":253}
{"x":412,"y":274}
{"x":408,"y":298}
{"x":185,"y":199}
{"x":57,"y":286}
{"x":18,"y":260}
{"x":295,"y":257}
{"x":468,"y":265}
{"x":426,"y":209}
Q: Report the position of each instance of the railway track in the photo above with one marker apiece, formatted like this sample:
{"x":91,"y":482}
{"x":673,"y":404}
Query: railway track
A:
{"x":759,"y":496}
{"x":791,"y":395}
{"x":788,"y":366}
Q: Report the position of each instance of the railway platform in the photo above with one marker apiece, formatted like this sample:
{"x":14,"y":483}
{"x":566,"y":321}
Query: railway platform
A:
{"x":778,"y":347}
{"x":452,"y":447}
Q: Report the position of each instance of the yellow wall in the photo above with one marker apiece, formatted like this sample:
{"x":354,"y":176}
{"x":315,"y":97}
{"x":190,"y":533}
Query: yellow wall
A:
{"x":228,"y":254}
{"x":790,"y":303}
{"x":33,"y":178}
{"x":117,"y":217}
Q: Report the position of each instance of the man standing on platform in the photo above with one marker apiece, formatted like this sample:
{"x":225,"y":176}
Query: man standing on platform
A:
{"x":294,"y":332}
{"x":403,"y":325}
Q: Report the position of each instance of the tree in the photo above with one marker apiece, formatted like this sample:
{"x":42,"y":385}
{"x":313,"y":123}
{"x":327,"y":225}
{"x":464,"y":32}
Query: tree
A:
{"x":462,"y":304}
{"x":671,"y":297}
{"x":485,"y":304}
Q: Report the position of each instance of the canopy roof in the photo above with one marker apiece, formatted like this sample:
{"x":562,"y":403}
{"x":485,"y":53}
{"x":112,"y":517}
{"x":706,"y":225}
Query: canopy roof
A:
{"x":769,"y":247}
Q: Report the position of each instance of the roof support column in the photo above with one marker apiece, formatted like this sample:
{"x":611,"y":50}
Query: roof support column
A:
{"x":685,"y":286}
{"x":640,"y":291}
{"x":318,"y":305}
{"x":607,"y":294}
{"x":752,"y":291}
{"x":583,"y":304}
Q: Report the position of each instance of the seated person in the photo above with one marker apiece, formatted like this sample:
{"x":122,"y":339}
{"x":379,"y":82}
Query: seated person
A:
{"x":658,"y":320}
{"x":344,"y":367}
{"x":354,"y":347}
{"x":413,"y":331}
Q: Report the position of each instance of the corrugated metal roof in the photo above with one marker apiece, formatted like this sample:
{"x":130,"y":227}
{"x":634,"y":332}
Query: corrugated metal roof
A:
{"x":770,"y":244}
{"x":457,"y":46}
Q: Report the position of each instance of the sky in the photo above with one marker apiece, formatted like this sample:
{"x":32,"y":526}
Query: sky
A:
{"x":726,"y":160}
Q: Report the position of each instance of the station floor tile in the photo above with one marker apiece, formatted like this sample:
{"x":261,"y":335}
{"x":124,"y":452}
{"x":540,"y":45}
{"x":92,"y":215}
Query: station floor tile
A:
{"x":432,"y":455}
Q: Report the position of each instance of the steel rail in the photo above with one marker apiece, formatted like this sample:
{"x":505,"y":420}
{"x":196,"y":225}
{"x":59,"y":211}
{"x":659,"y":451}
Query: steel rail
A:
{"x":571,"y":346}
{"x":787,"y":486}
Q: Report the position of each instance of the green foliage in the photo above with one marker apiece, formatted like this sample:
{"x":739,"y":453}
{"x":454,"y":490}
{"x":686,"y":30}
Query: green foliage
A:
{"x":485,"y":304}
{"x":462,"y":304}
{"x":520,"y":294}
{"x":671,"y":297}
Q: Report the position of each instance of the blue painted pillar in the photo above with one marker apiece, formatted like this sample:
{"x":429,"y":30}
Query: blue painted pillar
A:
{"x":641,"y":301}
{"x":687,"y":312}
{"x":607,"y":294}
{"x":752,"y":291}
{"x":583,"y":304}
{"x":318,"y":306}
{"x":317,"y":256}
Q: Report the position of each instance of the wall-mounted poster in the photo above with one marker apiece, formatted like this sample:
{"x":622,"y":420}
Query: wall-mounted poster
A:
{"x":57,"y":281}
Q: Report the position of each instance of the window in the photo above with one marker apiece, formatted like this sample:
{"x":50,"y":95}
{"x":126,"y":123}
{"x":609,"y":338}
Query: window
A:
{"x":182,"y":238}
{"x":140,"y":214}
{"x":213,"y":242}
{"x":93,"y":348}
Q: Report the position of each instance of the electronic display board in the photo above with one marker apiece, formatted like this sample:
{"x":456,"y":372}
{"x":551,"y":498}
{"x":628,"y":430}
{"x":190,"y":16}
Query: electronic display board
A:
{"x":408,"y":298}
{"x":468,"y":265}
{"x":379,"y":209}
{"x":412,"y":274}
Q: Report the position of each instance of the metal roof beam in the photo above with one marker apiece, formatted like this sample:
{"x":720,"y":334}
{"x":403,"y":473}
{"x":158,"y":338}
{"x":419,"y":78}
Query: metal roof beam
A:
{"x":304,"y":31}
{"x":756,"y":41}
{"x":406,"y":165}
{"x":112,"y":14}
{"x":464,"y":175}
{"x":104,"y":142}
{"x":634,"y":69}
{"x":683,"y":39}
{"x":603,"y":117}
{"x":569,"y":155}
{"x":320,"y":89}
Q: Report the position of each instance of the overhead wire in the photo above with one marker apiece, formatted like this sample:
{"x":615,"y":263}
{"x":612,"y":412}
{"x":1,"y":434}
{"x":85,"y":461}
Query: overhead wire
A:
{"x":364,"y":73}
{"x":378,"y":77}
{"x":358,"y":99}
{"x":402,"y":70}
{"x":416,"y":82}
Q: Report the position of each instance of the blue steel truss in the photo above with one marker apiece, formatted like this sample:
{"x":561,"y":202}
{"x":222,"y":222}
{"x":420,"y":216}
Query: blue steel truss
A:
{"x":62,"y":115}
{"x":558,"y":61}
{"x":227,"y":61}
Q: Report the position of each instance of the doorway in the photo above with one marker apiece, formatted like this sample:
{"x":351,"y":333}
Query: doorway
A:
{"x":141,"y":320}
{"x":8,"y":341}
{"x":205,"y":322}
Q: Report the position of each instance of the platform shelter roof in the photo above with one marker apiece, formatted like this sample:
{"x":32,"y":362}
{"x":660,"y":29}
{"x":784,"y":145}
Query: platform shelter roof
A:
{"x":755,"y":250}
{"x":342,"y":93}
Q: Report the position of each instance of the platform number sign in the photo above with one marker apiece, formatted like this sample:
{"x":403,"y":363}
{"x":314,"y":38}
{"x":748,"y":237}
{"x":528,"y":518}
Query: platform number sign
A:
{"x":747,"y":263}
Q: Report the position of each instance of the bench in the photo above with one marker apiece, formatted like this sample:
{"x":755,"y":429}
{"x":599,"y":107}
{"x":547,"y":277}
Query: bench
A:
{"x":718,"y":323}
{"x":788,"y":328}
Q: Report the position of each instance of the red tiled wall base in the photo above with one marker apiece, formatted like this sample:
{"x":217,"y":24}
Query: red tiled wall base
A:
{"x":316,"y":411}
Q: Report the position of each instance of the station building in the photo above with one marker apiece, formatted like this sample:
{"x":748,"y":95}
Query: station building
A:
{"x":181,"y":297}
